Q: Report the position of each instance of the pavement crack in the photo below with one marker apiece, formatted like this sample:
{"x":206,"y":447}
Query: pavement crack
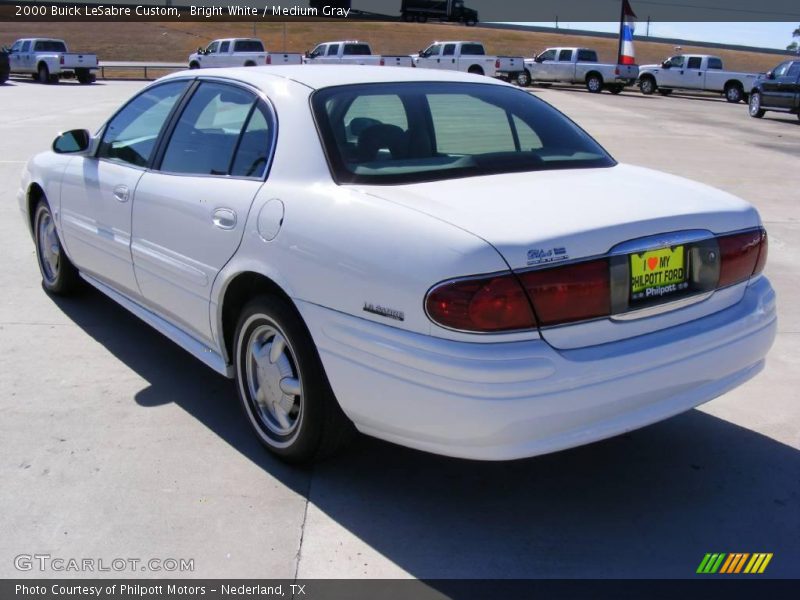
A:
{"x":297,"y":556}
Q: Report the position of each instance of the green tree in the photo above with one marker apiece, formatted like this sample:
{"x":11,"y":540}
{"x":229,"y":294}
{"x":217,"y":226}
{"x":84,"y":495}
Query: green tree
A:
{"x":794,"y":46}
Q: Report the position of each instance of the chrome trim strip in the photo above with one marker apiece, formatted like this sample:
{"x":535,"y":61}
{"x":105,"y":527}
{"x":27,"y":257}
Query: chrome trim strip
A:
{"x":661,"y":240}
{"x":658,"y":309}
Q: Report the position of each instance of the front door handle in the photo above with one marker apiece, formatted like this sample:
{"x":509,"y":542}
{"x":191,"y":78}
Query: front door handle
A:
{"x":224,"y":218}
{"x":121,"y":193}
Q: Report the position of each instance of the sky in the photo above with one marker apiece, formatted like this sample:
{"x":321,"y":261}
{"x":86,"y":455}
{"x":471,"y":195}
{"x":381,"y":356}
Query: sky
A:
{"x":765,"y":35}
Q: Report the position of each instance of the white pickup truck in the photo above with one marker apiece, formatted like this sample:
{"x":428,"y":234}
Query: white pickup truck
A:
{"x":702,"y":72}
{"x":49,"y":60}
{"x":469,"y":57}
{"x":577,"y":66}
{"x":240,"y":52}
{"x":353,"y":52}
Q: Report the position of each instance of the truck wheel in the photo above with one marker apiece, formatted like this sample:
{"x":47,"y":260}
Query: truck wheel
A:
{"x":733,"y":93}
{"x":44,"y":74}
{"x":475,"y":70}
{"x":594,"y":83}
{"x":664,"y":92}
{"x":282,"y":384}
{"x":194,"y":65}
{"x":249,"y":63}
{"x":616,"y":89}
{"x":754,"y":108}
{"x":84,"y":76}
{"x":647,"y":86}
{"x":523,"y":78}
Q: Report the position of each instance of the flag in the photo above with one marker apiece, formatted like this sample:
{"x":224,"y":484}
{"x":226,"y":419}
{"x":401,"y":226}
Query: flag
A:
{"x":626,"y":28}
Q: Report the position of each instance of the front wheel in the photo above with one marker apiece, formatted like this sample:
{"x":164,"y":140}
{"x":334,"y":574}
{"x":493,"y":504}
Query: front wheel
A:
{"x":59,"y":275}
{"x":754,"y":107}
{"x":194,"y":65}
{"x":523,"y":78}
{"x":594,"y":83}
{"x":282,"y":384}
{"x":647,"y":86}
{"x":733,"y":94}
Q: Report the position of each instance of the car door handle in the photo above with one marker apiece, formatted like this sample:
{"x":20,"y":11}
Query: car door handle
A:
{"x":224,"y":218}
{"x":121,"y":193}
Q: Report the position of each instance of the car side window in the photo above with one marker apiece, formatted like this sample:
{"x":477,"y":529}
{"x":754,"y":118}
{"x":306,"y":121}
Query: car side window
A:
{"x":449,"y":50}
{"x":549,"y":55}
{"x":565,"y":56}
{"x":587,"y":56}
{"x":472,"y":50}
{"x":255,"y":145}
{"x":212,"y":47}
{"x":677,"y":61}
{"x":781,"y":69}
{"x":333,"y":50}
{"x":206,"y":135}
{"x":794,"y":70}
{"x":224,"y":46}
{"x":433,"y":50}
{"x":131,"y":134}
{"x":318,"y":51}
{"x":695,"y":62}
{"x":714,"y":63}
{"x":25,"y":47}
{"x":16,"y":47}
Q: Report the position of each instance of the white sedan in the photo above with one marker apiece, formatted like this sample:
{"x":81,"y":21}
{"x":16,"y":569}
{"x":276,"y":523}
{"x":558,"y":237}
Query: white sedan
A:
{"x":439,"y":260}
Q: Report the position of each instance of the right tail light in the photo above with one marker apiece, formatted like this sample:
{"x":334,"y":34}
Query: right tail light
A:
{"x":742,"y":255}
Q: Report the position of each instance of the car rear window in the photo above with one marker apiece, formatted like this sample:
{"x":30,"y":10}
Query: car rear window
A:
{"x":472,"y":50}
{"x":357,"y":50}
{"x":389,"y":133}
{"x":49,"y":46}
{"x":587,"y":56}
{"x":248,"y":46}
{"x":714,"y":63}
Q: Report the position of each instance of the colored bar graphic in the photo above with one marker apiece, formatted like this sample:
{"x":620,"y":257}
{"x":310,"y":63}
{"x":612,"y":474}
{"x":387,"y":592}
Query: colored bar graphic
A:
{"x":734,"y":563}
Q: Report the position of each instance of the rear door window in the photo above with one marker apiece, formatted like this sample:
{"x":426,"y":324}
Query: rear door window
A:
{"x":449,"y":50}
{"x":565,"y":56}
{"x":333,"y":50}
{"x":224,"y":46}
{"x":695,"y":62}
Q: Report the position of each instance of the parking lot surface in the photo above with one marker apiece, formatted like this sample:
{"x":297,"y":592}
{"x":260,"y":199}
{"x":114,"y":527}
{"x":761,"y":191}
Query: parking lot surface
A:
{"x":116,"y":443}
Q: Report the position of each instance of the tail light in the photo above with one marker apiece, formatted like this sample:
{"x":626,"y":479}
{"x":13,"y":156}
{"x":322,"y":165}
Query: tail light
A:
{"x":570,"y":293}
{"x":269,"y":59}
{"x":383,"y":62}
{"x":497,"y":63}
{"x":483,"y":305}
{"x":61,"y":59}
{"x":742,"y":255}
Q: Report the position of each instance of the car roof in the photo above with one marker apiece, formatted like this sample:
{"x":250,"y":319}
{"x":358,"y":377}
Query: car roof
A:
{"x":321,"y":76}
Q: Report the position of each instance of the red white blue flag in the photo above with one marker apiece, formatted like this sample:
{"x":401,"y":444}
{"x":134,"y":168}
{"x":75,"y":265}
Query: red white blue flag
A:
{"x":627,"y":26}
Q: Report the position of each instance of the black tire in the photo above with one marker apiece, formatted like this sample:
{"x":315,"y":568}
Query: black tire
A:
{"x":734,"y":93}
{"x":616,"y":89}
{"x":594,"y":83}
{"x":475,"y":70}
{"x":664,"y":92}
{"x":314,"y":426}
{"x":647,"y":86}
{"x":43,"y":74}
{"x":59,"y":275}
{"x":3,"y":78}
{"x":523,"y":78}
{"x":249,"y":63}
{"x":754,"y":106}
{"x":194,"y":65}
{"x":84,"y":76}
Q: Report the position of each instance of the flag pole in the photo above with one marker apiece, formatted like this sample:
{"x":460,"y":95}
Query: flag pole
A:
{"x":621,"y":25}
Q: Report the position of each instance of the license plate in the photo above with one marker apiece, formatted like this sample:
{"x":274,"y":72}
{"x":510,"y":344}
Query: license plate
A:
{"x":658,"y":273}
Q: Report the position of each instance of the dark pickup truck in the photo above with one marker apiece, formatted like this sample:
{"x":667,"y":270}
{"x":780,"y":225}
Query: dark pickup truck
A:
{"x":778,"y":90}
{"x":4,"y":68}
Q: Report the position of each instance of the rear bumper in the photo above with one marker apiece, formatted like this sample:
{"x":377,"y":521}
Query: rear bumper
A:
{"x":513,"y":400}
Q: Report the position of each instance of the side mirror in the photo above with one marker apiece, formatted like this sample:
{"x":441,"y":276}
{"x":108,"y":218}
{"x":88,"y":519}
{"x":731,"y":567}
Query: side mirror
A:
{"x":666,"y":64}
{"x":539,"y":59}
{"x":76,"y":140}
{"x":770,"y":74}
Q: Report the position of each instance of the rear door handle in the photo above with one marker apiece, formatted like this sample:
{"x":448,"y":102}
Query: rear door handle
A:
{"x":224,"y":218}
{"x":121,"y":193}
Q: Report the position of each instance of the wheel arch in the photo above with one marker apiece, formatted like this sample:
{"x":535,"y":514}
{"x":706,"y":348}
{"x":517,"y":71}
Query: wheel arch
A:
{"x":238,"y":289}
{"x":733,"y":83}
{"x":594,"y":72}
{"x":34,"y":194}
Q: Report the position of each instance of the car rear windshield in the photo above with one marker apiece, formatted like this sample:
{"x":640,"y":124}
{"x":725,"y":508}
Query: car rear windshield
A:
{"x":49,"y":46}
{"x":357,"y":50}
{"x":248,"y":46}
{"x":390,"y":133}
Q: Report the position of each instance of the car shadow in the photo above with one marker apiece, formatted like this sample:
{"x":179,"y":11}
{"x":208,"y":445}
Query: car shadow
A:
{"x":649,"y":503}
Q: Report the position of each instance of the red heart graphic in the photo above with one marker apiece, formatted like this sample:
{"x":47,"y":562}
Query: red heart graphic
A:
{"x":652,"y":262}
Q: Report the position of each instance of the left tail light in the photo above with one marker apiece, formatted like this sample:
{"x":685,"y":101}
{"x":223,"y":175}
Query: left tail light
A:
{"x":497,"y":63}
{"x":489,"y":304}
{"x":61,"y":59}
{"x":383,"y":62}
{"x":269,"y":59}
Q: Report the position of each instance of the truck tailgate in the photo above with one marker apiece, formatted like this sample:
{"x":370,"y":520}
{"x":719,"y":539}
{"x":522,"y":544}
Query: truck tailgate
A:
{"x":72,"y":60}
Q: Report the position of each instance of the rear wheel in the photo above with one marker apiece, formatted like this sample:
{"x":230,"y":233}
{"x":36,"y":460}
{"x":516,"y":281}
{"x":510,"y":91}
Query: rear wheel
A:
{"x":475,"y":70}
{"x":523,"y":78}
{"x":59,"y":275}
{"x":44,"y":74}
{"x":282,"y":384}
{"x":84,"y":76}
{"x":647,"y":86}
{"x":594,"y":83}
{"x":754,"y":106}
{"x":249,"y":63}
{"x":734,"y":93}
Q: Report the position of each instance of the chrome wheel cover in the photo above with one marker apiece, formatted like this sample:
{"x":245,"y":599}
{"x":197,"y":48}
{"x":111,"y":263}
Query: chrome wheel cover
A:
{"x":755,"y":103}
{"x":48,"y":246}
{"x":272,"y":380}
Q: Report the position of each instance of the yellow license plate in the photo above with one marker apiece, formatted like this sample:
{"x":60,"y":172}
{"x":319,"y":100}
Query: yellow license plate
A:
{"x":658,"y":272}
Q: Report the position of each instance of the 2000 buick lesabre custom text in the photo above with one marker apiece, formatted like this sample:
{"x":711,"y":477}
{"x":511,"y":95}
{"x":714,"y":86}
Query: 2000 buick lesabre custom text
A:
{"x":452,"y":265}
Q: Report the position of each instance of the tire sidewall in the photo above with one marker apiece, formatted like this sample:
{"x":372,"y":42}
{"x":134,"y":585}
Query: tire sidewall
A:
{"x":57,"y":284}
{"x":758,"y":112}
{"x":647,"y":86}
